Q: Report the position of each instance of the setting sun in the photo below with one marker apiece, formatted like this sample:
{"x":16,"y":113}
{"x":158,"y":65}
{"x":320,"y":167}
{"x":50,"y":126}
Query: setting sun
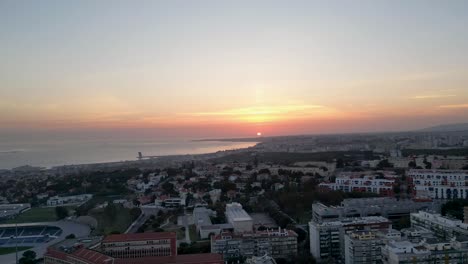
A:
{"x":259,"y":133}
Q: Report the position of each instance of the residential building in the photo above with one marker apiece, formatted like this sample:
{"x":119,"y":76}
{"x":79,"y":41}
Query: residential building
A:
{"x":277,"y":243}
{"x":387,"y":207}
{"x":327,"y":238}
{"x":140,"y":245}
{"x":169,"y":201}
{"x":361,"y":183}
{"x":405,"y":252}
{"x":363,"y":247}
{"x":68,"y":200}
{"x":206,"y":231}
{"x":442,"y":227}
{"x":440,"y":184}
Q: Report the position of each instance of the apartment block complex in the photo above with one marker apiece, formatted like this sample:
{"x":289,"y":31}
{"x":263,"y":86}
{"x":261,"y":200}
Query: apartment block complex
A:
{"x":440,"y":184}
{"x":405,"y":252}
{"x":327,"y":238}
{"x":442,"y":227}
{"x":363,"y":247}
{"x":279,"y":243}
{"x":361,"y":183}
{"x":387,"y":207}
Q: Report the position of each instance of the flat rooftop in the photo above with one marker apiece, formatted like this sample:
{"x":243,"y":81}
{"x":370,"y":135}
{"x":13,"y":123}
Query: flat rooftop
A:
{"x":234,"y":212}
{"x":139,"y":237}
{"x":355,"y":221}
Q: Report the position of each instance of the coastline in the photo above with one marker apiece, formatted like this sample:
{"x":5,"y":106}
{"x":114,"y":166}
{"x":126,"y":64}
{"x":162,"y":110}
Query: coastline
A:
{"x":222,"y":150}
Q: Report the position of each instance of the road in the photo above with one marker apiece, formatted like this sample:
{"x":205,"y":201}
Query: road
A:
{"x":147,"y":212}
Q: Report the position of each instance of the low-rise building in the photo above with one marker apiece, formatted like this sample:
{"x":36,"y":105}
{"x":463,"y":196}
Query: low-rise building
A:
{"x":387,"y":207}
{"x":405,"y":252}
{"x":169,"y":201}
{"x":278,"y":243}
{"x":206,"y":231}
{"x":86,"y":251}
{"x":11,"y":210}
{"x":238,"y":218}
{"x":68,"y":200}
{"x":442,"y":227}
{"x":140,"y":245}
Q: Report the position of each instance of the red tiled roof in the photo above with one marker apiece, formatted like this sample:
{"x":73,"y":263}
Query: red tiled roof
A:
{"x":94,"y":257}
{"x":208,"y":258}
{"x":91,"y":256}
{"x":83,"y":254}
{"x":139,"y":236}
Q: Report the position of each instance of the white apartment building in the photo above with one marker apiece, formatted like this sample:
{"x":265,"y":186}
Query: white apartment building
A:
{"x":170,"y":202}
{"x":363,"y":247}
{"x":405,"y":252}
{"x":327,"y":238}
{"x":277,"y":243}
{"x":68,"y":200}
{"x":442,"y":227}
{"x":440,"y":184}
{"x":361,"y":183}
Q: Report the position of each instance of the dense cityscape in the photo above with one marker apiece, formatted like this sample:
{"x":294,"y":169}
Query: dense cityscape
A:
{"x":357,"y":198}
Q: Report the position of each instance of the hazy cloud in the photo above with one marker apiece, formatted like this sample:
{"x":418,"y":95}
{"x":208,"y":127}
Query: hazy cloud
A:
{"x":454,"y":106}
{"x":432,"y":96}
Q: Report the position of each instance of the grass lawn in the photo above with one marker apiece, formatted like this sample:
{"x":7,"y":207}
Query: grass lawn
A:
{"x":37,"y":214}
{"x":8,"y":250}
{"x":180,"y":233}
{"x":107,"y":224}
{"x":304,"y":217}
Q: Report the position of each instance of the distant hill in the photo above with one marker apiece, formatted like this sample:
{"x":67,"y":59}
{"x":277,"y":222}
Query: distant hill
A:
{"x":447,"y":128}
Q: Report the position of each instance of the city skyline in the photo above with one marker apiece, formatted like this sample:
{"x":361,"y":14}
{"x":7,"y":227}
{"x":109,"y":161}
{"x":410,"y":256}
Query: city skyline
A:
{"x":222,"y":69}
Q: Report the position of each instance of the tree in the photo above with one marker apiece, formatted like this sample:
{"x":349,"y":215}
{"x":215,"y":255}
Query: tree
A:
{"x":384,"y":164}
{"x":135,"y":213}
{"x":29,"y":254}
{"x":339,"y":163}
{"x":61,"y":212}
{"x":29,"y":257}
{"x":264,"y":171}
{"x":136,"y":202}
{"x":454,"y":208}
{"x":168,"y":187}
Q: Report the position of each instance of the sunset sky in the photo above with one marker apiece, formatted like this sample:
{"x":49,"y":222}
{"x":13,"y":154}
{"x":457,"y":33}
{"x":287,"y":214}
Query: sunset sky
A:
{"x":231,"y":68}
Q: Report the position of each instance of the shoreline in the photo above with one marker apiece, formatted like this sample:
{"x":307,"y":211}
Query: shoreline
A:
{"x":152,"y":158}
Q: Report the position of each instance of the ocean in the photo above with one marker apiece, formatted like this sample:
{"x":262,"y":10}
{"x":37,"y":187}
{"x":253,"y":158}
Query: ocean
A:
{"x":66,"y":152}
